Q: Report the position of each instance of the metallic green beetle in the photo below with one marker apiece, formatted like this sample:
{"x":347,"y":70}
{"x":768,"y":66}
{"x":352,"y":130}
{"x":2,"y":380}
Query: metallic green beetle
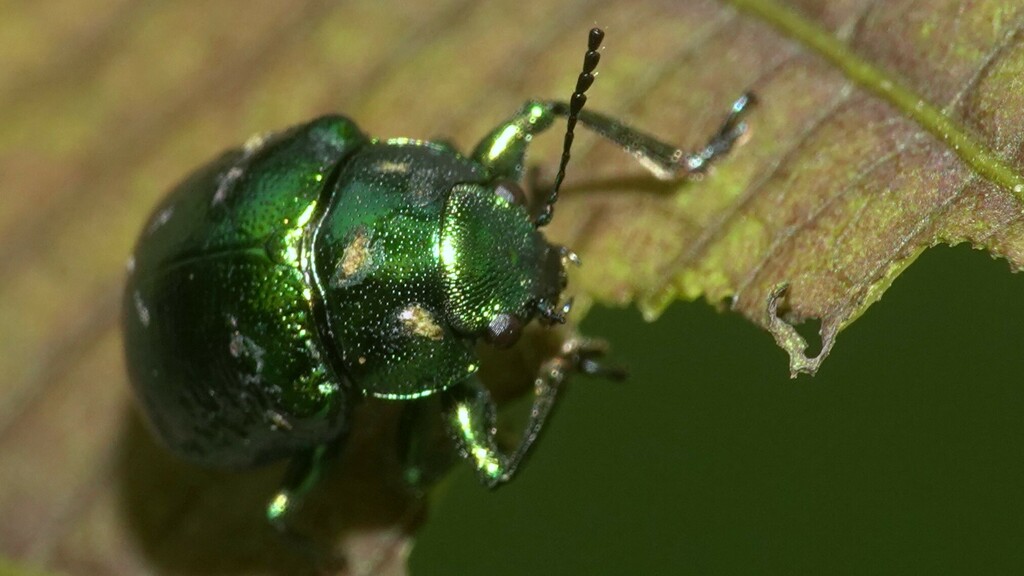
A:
{"x":283,"y":281}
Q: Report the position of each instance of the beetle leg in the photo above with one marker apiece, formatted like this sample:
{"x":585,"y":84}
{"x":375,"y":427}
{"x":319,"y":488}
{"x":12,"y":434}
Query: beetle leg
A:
{"x":424,"y":449}
{"x":471,"y":414}
{"x":666,"y":161}
{"x":304,"y":472}
{"x":503,"y":151}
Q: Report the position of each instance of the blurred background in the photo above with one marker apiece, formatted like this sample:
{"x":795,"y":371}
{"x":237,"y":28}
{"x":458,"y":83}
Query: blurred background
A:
{"x":902,"y":454}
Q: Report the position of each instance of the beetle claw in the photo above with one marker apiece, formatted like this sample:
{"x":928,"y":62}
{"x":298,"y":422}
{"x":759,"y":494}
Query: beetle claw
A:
{"x":569,"y":256}
{"x":566,"y":307}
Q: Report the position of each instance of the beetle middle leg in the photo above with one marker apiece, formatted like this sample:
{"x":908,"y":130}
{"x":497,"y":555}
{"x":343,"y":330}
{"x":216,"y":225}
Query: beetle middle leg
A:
{"x":471,"y":415}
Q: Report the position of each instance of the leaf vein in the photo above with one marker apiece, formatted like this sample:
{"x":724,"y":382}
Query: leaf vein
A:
{"x":790,"y":232}
{"x":865,"y":74}
{"x":715,"y":230}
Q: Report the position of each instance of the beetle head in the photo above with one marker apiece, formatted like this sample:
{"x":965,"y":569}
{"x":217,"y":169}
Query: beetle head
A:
{"x":499,"y":272}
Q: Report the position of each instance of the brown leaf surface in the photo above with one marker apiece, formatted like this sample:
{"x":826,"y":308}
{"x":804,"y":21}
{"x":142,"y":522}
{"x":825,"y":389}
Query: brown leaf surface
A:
{"x":884,"y":128}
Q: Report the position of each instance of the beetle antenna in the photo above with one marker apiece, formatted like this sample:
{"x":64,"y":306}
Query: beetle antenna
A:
{"x":576,"y":102}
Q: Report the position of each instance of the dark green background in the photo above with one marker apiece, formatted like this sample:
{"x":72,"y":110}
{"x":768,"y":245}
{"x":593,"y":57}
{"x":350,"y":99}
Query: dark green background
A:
{"x":903,"y":455}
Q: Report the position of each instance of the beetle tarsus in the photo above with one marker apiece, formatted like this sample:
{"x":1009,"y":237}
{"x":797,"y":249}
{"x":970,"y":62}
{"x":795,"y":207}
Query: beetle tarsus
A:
{"x":584,"y":355}
{"x":731,"y":130}
{"x":550,"y":316}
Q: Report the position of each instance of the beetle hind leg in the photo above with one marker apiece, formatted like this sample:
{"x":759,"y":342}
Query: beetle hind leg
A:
{"x":471,"y":415}
{"x":303,"y":473}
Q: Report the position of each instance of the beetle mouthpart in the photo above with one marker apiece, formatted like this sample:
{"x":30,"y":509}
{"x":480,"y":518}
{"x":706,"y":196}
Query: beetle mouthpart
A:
{"x":548,"y":315}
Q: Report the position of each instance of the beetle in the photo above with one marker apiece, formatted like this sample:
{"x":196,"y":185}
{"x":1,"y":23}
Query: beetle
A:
{"x":284,"y":280}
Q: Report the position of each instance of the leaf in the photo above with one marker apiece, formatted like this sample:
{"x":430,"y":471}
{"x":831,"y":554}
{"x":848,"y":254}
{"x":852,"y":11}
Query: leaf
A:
{"x":883,"y":129}
{"x":869,"y":147}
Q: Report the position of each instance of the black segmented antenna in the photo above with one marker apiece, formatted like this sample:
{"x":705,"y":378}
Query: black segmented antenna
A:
{"x":576,"y":102}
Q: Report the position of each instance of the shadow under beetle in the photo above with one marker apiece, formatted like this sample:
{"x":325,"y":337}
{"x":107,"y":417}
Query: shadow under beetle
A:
{"x":284,"y":280}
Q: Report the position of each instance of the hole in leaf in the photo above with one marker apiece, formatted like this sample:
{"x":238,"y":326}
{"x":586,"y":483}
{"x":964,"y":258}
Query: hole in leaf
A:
{"x":810,"y":330}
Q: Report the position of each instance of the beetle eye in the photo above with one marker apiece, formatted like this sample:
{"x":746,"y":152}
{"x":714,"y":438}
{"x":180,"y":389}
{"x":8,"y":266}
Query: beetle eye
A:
{"x":504,"y":330}
{"x":511,"y":192}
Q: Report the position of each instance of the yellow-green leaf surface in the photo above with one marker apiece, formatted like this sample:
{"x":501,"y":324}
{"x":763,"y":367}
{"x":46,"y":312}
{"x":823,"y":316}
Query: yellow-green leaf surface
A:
{"x":883,"y":128}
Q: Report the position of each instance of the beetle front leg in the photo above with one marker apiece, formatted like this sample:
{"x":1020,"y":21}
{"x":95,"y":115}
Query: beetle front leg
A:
{"x":666,"y":161}
{"x":471,"y":415}
{"x":503,"y":150}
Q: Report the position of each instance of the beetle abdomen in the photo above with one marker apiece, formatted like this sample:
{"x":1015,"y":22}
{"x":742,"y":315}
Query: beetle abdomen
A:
{"x":225,"y":359}
{"x":221,"y":341}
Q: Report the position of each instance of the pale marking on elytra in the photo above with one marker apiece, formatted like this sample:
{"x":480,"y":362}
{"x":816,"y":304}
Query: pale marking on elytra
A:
{"x":355,"y":259}
{"x":418,"y":321}
{"x":162,"y":218}
{"x":225,"y":185}
{"x":278,"y":421}
{"x":141,"y":309}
